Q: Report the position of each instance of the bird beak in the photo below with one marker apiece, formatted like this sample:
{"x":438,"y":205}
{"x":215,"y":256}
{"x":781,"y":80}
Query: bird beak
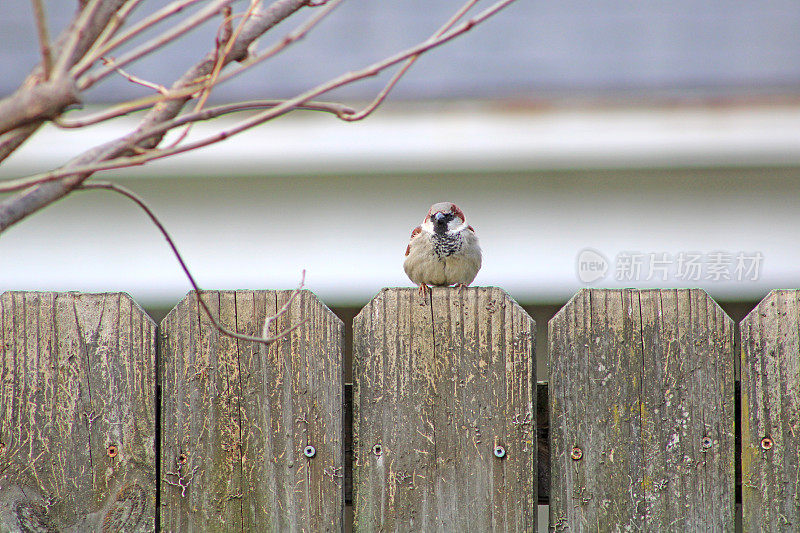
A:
{"x":439,"y":217}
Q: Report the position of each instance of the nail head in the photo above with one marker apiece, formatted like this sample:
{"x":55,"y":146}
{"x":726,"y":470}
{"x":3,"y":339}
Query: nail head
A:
{"x":767,"y":443}
{"x":377,"y":450}
{"x":576,"y":454}
{"x":499,"y":452}
{"x":309,"y":451}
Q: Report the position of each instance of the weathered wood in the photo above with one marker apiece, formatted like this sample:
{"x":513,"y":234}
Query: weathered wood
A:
{"x":770,"y":366}
{"x":642,"y":412}
{"x":237,"y":417}
{"x":77,"y":413}
{"x":438,"y":383}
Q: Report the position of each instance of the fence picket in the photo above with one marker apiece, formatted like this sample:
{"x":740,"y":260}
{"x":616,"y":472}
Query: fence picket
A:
{"x":642,"y":412}
{"x":770,"y":388}
{"x":237,"y":417}
{"x":440,"y":383}
{"x":77,"y":413}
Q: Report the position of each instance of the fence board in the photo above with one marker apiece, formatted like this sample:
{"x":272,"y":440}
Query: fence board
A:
{"x":770,"y":364}
{"x":77,"y":413}
{"x":438,"y":383}
{"x":642,"y":412}
{"x":237,"y":416}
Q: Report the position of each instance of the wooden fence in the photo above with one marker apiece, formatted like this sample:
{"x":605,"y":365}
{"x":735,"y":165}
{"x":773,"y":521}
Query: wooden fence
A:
{"x":109,"y":423}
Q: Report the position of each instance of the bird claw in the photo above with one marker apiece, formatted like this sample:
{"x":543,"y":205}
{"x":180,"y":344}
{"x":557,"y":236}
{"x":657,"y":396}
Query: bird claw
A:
{"x":424,"y":290}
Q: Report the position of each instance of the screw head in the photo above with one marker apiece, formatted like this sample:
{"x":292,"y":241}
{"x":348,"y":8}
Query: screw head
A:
{"x":309,"y":451}
{"x":182,"y":458}
{"x":499,"y":452}
{"x":377,"y":450}
{"x":576,"y":454}
{"x":112,"y":450}
{"x":767,"y":443}
{"x":706,"y":442}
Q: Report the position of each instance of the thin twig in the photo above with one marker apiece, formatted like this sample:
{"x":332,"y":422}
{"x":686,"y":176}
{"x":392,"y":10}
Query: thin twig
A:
{"x":136,"y":79}
{"x":292,"y":37}
{"x":168,"y":36}
{"x":410,"y":61}
{"x":283,"y":310}
{"x":126,"y":108}
{"x":222,"y":329}
{"x":108,"y":32}
{"x":63,"y":63}
{"x":224,"y":42}
{"x":206,"y":114}
{"x":258,"y":119}
{"x":44,"y":37}
{"x":105,"y":44}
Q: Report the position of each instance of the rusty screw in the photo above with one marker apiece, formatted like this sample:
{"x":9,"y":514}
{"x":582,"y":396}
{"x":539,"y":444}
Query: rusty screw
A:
{"x":377,"y":450}
{"x":112,"y":450}
{"x":182,"y":458}
{"x":576,"y":454}
{"x":767,"y":443}
{"x":706,"y":442}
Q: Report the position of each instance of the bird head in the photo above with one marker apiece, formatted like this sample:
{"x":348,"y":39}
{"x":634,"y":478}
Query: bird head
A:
{"x":444,"y":217}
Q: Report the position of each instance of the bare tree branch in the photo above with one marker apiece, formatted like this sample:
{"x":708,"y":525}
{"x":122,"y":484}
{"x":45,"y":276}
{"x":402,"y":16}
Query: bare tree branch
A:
{"x":68,"y":54}
{"x":140,"y":146}
{"x":281,"y":109}
{"x":265,"y":338}
{"x":105,"y":43}
{"x":212,"y":79}
{"x":44,"y":37}
{"x":147,"y":48}
{"x":14,"y":209}
{"x":15,"y":138}
{"x":45,"y":100}
{"x":13,"y":135}
{"x":407,"y":65}
{"x":340,"y":110}
{"x":292,"y":37}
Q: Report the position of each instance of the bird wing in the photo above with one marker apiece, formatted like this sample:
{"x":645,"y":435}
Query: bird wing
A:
{"x":414,"y":233}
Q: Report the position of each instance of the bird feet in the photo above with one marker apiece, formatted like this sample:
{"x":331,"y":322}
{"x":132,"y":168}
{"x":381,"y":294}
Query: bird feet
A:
{"x":424,"y":290}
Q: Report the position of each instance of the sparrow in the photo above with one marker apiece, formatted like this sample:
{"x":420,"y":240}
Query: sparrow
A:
{"x":443,"y":249}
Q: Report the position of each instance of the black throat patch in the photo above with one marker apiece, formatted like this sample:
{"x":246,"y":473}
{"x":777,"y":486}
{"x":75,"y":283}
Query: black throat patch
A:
{"x":446,"y":244}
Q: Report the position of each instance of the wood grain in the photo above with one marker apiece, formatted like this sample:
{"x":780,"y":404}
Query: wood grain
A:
{"x":438,"y":383}
{"x":770,"y":366}
{"x":77,"y":413}
{"x":642,"y":412}
{"x":237,"y":416}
